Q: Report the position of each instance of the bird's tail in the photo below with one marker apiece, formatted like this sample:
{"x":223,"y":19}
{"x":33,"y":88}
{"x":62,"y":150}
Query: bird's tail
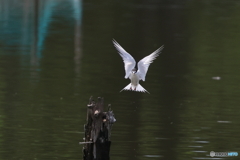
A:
{"x":139,"y":88}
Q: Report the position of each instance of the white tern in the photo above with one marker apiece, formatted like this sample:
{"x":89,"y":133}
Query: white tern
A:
{"x":131,"y":72}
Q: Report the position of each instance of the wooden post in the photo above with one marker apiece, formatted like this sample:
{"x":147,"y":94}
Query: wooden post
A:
{"x":96,"y":145}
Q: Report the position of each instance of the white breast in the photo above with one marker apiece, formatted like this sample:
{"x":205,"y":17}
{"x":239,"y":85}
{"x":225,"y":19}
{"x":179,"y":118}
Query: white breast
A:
{"x":134,"y":79}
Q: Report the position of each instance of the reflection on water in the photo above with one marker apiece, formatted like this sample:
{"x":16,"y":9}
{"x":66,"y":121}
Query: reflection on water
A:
{"x":54,"y":54}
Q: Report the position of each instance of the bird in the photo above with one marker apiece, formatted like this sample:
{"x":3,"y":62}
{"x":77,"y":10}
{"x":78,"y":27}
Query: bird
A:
{"x":131,"y":72}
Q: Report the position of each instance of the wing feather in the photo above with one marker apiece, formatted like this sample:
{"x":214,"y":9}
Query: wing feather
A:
{"x":146,"y":61}
{"x":129,"y":62}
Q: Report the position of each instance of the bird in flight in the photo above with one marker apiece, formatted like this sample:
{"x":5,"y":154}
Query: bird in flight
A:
{"x":131,"y":72}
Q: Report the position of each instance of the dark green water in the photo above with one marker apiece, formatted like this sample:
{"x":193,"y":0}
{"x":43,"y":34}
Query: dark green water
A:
{"x":55,"y":54}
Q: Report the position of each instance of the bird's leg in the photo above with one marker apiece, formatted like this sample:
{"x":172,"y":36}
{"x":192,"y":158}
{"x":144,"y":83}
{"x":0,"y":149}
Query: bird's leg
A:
{"x":130,"y":88}
{"x":135,"y":89}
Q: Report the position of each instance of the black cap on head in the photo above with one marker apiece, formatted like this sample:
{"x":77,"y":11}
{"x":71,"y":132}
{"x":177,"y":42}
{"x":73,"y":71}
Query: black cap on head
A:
{"x":134,"y":70}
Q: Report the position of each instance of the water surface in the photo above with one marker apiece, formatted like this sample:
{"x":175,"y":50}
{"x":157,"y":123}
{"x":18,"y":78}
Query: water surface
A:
{"x":55,"y":54}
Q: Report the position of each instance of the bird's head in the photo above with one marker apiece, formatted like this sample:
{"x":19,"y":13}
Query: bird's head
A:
{"x":134,"y":70}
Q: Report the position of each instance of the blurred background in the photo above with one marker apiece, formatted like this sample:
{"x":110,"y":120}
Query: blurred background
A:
{"x":55,"y":54}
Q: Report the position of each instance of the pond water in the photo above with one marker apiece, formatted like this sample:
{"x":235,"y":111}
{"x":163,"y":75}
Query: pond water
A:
{"x":55,"y":54}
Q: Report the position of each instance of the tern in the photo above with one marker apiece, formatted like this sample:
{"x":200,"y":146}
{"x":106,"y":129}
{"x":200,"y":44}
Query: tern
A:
{"x":131,"y":72}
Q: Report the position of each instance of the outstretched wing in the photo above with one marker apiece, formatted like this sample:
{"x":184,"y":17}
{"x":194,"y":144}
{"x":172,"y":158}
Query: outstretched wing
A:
{"x":146,"y":61}
{"x":129,"y":62}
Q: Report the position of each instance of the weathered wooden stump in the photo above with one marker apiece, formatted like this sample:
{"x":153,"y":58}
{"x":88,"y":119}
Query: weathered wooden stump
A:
{"x":96,"y":145}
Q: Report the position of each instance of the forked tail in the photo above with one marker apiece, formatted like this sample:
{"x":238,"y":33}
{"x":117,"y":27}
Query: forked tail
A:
{"x":139,"y":88}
